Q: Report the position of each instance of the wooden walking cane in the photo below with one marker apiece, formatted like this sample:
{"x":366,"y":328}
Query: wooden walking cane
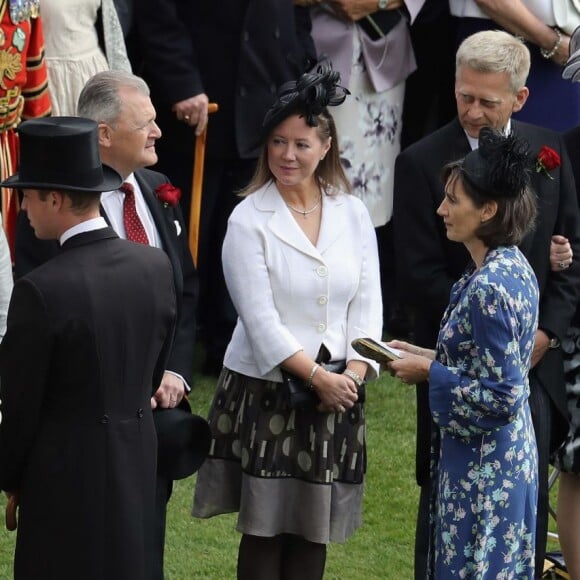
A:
{"x":197,"y":182}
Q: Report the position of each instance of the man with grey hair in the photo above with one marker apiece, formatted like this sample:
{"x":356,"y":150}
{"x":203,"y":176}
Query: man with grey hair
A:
{"x":144,"y":209}
{"x":491,"y":71}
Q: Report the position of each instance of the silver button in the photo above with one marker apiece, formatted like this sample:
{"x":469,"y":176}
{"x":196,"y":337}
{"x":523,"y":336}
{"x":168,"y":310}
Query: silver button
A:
{"x":321,"y":327}
{"x":322,"y":300}
{"x":322,"y":271}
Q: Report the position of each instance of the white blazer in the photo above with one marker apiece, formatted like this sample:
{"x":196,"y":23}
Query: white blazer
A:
{"x":291,"y":295}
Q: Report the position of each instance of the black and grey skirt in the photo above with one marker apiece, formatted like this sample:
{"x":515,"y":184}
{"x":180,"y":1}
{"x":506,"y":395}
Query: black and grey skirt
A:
{"x":284,"y":470}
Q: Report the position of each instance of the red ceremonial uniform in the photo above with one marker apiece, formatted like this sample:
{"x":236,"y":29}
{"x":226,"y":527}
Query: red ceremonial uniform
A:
{"x":23,"y":90}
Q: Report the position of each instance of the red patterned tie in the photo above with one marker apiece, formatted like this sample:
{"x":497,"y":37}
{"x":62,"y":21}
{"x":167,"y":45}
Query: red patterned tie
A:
{"x":133,"y":225}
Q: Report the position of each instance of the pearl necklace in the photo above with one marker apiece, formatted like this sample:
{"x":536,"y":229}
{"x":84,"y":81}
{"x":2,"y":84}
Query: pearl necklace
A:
{"x":305,"y":212}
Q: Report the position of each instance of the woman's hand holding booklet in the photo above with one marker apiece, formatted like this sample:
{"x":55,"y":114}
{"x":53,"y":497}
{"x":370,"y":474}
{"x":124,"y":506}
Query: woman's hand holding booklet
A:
{"x":407,"y":362}
{"x":375,"y":350}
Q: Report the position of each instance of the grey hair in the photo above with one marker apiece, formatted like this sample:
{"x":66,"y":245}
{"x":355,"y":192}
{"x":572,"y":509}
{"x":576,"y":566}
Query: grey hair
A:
{"x":99,"y":100}
{"x":496,"y":51}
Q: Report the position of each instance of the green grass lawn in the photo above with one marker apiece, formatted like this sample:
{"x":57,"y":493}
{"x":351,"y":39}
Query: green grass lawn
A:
{"x":381,"y":549}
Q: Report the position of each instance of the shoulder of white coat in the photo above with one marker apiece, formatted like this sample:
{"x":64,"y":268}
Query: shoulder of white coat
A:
{"x":353,"y":204}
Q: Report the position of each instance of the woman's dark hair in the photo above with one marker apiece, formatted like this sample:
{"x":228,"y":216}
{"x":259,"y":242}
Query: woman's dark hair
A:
{"x":499,"y":170}
{"x":309,"y":97}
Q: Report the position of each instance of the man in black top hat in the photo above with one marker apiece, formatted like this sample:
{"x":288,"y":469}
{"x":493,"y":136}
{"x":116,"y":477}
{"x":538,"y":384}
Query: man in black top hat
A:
{"x":119,"y":102}
{"x":86,"y":345}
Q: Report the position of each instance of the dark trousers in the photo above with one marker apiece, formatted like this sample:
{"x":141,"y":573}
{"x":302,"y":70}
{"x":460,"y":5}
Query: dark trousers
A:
{"x":542,"y":413}
{"x":162,"y":495}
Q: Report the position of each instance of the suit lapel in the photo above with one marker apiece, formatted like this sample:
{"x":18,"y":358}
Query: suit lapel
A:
{"x":331,"y":226}
{"x":104,"y":215}
{"x":160,"y":218}
{"x":268,"y":199}
{"x":461,"y":145}
{"x":547,"y":191}
{"x":334,"y":221}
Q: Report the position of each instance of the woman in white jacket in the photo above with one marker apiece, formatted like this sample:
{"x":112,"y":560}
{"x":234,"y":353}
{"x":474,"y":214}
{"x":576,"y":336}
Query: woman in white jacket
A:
{"x":301,"y":265}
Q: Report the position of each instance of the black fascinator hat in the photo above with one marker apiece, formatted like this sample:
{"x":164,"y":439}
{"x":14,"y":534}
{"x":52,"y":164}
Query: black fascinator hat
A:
{"x":501,"y":167}
{"x":309,"y":96}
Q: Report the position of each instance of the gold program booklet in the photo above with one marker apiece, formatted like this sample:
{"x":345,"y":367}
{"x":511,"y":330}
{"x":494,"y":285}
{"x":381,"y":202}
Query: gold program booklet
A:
{"x":375,"y":350}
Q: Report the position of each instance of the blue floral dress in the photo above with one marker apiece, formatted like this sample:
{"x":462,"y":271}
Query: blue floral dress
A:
{"x":484,"y":456}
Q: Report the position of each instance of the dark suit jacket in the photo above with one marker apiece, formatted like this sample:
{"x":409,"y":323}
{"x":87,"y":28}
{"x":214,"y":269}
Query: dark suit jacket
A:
{"x":88,"y":337}
{"x":428,"y":263}
{"x":572,"y":140}
{"x":31,"y":252}
{"x":238,"y":52}
{"x":125,"y":13}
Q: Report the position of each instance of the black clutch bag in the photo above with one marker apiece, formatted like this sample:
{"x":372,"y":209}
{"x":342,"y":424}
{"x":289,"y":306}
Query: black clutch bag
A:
{"x":297,"y":393}
{"x":380,"y":23}
{"x":300,"y":395}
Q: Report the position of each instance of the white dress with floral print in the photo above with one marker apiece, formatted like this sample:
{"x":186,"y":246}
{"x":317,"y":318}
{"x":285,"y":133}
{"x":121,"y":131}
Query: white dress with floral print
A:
{"x":484,"y":456}
{"x":369,"y":132}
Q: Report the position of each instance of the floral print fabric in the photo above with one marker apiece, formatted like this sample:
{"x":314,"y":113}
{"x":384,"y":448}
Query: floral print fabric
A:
{"x":484,"y":456}
{"x":369,"y":131}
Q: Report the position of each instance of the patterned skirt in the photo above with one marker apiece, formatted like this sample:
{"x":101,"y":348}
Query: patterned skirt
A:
{"x":284,"y":470}
{"x":567,"y":458}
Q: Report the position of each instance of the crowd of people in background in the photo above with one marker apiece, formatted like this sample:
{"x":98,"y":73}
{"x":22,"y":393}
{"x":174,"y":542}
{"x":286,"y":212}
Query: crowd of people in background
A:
{"x":360,"y":180}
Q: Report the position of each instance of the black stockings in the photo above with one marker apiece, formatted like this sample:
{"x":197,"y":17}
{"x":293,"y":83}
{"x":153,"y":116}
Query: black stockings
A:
{"x":283,"y":557}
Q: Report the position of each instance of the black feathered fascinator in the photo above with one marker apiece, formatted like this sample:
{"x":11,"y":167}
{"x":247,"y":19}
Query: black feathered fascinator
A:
{"x":309,"y":96}
{"x":501,"y":166}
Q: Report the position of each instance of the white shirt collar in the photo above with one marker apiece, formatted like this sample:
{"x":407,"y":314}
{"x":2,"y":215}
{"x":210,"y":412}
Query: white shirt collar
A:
{"x":473,"y":143}
{"x":129,"y":179}
{"x":97,"y":223}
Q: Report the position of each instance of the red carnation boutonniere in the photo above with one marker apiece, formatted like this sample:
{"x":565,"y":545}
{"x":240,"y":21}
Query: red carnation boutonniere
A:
{"x":168,"y":194}
{"x":547,"y":160}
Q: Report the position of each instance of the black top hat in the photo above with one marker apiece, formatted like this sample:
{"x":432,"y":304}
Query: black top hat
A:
{"x":183,"y":441}
{"x":62,"y":153}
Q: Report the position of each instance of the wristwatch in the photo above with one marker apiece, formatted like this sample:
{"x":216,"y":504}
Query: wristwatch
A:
{"x":382,"y":4}
{"x":554,"y":343}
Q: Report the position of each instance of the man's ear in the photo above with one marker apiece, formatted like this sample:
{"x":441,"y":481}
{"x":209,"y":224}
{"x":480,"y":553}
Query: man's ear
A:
{"x":104,"y":135}
{"x":56,"y":199}
{"x":521,"y":98}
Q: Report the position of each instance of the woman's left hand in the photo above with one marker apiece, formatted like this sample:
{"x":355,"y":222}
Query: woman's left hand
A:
{"x":410,"y":368}
{"x":336,"y":391}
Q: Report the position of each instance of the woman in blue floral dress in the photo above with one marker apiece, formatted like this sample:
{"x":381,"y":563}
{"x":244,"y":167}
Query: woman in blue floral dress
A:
{"x":484,"y":456}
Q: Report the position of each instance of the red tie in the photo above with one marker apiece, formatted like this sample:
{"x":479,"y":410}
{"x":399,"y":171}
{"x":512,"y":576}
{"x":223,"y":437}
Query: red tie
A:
{"x":133,"y":225}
